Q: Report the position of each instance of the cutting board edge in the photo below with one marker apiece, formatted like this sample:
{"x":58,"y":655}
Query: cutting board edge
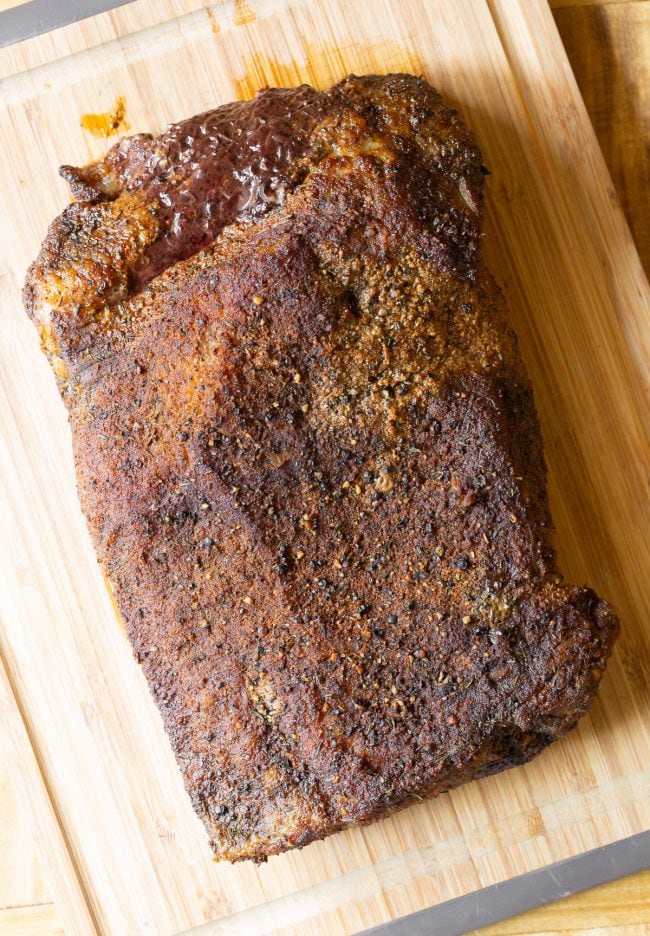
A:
{"x":33,"y":792}
{"x":577,"y":96}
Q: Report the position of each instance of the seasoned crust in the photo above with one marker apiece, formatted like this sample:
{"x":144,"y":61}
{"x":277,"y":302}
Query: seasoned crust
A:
{"x":312,"y":469}
{"x":155,"y":200}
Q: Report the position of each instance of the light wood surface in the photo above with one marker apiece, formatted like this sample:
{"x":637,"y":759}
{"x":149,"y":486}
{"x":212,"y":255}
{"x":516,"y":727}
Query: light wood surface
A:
{"x":621,"y":908}
{"x":563,"y":254}
{"x":21,"y":876}
{"x":36,"y":920}
{"x":8,"y":4}
{"x":572,"y":4}
{"x":609,"y":50}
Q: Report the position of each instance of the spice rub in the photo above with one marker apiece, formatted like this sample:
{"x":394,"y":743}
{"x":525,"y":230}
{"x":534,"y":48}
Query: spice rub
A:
{"x":310,"y":461}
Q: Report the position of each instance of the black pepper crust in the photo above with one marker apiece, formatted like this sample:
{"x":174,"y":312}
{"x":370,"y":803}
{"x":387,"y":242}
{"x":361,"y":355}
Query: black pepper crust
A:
{"x":310,"y":461}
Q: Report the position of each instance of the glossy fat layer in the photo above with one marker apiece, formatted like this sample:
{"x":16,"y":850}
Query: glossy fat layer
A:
{"x":230,"y":164}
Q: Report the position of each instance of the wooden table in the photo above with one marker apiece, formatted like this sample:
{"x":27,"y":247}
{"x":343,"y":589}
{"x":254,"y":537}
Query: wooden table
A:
{"x":608,"y":44}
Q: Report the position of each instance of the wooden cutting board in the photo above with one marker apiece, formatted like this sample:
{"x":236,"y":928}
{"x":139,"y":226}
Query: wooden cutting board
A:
{"x":121,"y":846}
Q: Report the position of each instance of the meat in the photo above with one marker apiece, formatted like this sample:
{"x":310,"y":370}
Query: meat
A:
{"x":309,"y":457}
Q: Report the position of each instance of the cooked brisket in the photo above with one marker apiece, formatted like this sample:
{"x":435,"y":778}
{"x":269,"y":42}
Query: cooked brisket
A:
{"x":309,"y":458}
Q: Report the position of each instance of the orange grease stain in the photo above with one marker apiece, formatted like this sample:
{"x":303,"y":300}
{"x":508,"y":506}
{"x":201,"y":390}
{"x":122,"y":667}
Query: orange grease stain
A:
{"x":216,"y":28}
{"x":322,"y":65}
{"x":109,"y":123}
{"x":243,"y":13}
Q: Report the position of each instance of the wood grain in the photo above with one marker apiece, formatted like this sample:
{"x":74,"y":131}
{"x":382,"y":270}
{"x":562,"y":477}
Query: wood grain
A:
{"x":609,"y":50}
{"x":617,"y":908}
{"x":21,"y":877}
{"x":34,"y":795}
{"x":574,"y":4}
{"x":37,"y":920}
{"x":26,"y":907}
{"x":9,"y":4}
{"x":560,"y":246}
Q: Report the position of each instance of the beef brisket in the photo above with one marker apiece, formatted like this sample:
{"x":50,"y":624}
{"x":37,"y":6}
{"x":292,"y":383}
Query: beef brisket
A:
{"x":309,"y":457}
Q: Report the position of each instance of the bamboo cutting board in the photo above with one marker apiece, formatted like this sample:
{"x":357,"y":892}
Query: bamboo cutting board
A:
{"x":120,"y":843}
